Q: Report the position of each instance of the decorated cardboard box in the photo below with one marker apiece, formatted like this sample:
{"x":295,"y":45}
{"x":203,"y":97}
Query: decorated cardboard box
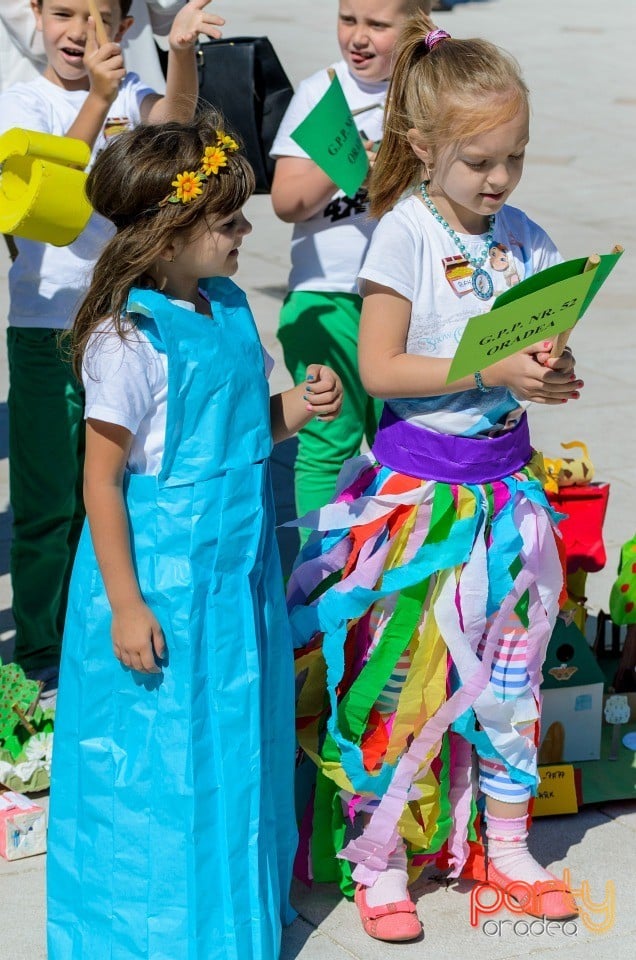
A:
{"x":22,"y":826}
{"x":572,"y":690}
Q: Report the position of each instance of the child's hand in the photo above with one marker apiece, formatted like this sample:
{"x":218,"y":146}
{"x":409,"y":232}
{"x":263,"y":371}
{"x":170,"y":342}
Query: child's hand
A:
{"x":533,"y":375}
{"x":323,"y":392}
{"x":137,"y":638}
{"x":190,"y":22}
{"x":104,"y":65}
{"x":371,"y":149}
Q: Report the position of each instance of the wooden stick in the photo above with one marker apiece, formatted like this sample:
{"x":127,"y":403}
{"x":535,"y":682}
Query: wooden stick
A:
{"x":562,"y":338}
{"x":371,"y":106}
{"x":23,"y":719}
{"x":31,"y":708}
{"x":100,"y":29}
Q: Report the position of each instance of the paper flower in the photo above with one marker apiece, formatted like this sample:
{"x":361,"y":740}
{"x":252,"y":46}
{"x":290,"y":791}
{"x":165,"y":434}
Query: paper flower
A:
{"x":213,"y":159}
{"x":39,"y":747}
{"x":188,"y":186}
{"x":226,"y":142}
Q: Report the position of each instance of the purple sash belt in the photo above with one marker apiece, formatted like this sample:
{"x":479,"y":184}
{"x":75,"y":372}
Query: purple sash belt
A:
{"x":418,"y":452}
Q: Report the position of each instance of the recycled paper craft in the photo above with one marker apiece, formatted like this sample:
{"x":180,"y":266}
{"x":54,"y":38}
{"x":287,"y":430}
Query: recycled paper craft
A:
{"x":572,"y":695}
{"x":42,"y":186}
{"x":26,"y":733}
{"x":557,"y":791}
{"x":541,"y":306}
{"x":622,"y":602}
{"x":584,"y":508}
{"x":569,"y":471}
{"x":22,"y":827}
{"x":617,"y":712}
{"x":330,"y":136}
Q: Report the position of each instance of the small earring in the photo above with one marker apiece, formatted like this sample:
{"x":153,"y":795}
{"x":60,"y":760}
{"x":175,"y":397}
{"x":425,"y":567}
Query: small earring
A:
{"x":171,"y":260}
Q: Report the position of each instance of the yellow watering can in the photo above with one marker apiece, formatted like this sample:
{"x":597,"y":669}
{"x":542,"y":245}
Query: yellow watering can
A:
{"x":42,"y":186}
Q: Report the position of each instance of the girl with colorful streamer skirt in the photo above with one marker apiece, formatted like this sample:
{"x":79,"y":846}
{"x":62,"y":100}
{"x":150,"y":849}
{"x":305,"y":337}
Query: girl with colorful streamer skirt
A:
{"x":422,"y":605}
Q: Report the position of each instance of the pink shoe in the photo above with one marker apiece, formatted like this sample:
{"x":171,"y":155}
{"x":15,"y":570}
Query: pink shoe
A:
{"x":393,"y":922}
{"x":549,"y":899}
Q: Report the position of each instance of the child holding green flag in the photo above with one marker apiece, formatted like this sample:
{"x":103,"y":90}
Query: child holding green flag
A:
{"x":321,"y":312}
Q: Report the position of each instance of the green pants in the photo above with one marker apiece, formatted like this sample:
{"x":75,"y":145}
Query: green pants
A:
{"x":323,"y":328}
{"x":46,"y":458}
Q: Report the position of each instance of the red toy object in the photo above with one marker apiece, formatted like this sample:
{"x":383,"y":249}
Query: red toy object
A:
{"x":582,"y":528}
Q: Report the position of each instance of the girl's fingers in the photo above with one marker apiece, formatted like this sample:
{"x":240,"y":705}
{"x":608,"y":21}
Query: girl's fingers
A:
{"x":319,"y":391}
{"x":159,"y":643}
{"x":323,"y":402}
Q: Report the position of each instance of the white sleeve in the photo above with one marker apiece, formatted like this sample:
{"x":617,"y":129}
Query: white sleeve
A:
{"x":545,"y":253}
{"x":391,"y":256}
{"x":136,"y":91}
{"x":302,"y":103}
{"x":121,"y":378}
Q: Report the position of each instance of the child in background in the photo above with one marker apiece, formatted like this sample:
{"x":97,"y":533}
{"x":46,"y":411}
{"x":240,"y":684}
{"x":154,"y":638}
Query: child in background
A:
{"x":172,"y":830}
{"x":22,"y":53}
{"x":321,"y":313}
{"x":84,"y":89}
{"x":429,"y":603}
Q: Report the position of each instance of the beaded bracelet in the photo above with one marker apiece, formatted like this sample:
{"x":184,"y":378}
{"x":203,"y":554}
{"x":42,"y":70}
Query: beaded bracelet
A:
{"x":480,"y":383}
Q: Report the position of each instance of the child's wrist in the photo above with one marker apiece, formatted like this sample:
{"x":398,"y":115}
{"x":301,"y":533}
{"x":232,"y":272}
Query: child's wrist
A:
{"x":100,"y":101}
{"x":125,"y":602}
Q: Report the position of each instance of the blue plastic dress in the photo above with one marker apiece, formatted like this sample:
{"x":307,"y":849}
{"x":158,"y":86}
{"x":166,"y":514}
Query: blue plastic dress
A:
{"x":172,"y":830}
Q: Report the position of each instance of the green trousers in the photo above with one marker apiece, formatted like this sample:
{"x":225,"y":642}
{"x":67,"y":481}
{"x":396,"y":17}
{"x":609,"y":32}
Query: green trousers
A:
{"x":46,"y":459}
{"x":323,"y":328}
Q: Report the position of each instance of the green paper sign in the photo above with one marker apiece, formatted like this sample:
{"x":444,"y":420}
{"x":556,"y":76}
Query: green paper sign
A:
{"x":539,"y":308}
{"x":330,"y":136}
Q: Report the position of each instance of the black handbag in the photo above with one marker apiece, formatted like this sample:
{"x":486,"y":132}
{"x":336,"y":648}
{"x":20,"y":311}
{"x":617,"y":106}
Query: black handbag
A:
{"x":244,"y":80}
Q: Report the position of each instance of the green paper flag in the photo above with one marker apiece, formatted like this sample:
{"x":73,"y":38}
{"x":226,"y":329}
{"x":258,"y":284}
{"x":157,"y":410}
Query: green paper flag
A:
{"x":538,"y":308}
{"x":330,"y":136}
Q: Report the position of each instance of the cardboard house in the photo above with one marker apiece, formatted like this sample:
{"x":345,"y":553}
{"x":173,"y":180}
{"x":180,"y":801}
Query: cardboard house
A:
{"x":572,"y":691}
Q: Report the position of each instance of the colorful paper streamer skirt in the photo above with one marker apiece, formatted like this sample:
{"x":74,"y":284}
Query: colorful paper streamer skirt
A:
{"x":398,"y":605}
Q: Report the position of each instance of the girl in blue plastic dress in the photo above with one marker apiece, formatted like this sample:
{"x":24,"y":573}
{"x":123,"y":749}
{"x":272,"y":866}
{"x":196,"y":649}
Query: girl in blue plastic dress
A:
{"x":422,"y":614}
{"x":172,"y":827}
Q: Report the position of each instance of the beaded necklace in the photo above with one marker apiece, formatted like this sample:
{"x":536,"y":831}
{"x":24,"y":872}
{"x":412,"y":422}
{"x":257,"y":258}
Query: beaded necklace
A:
{"x":480,"y":280}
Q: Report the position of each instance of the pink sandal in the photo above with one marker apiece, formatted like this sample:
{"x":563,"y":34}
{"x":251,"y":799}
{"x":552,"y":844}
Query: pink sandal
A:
{"x":393,"y":922}
{"x":549,"y":899}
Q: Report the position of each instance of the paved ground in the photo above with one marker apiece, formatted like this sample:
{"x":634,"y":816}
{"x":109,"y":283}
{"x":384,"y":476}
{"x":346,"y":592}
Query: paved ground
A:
{"x":578,"y":59}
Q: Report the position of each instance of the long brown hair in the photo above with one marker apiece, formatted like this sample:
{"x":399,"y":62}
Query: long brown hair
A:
{"x":126,"y":185}
{"x":455,"y":91}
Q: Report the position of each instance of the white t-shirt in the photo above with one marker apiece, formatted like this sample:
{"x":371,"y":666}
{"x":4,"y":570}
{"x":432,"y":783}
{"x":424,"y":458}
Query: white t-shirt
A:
{"x":46,"y":283}
{"x":328,"y":249}
{"x":412,"y":253}
{"x":126,"y":382}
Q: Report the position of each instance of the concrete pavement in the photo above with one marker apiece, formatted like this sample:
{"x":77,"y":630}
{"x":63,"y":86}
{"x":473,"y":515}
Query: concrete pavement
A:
{"x":578,"y":60}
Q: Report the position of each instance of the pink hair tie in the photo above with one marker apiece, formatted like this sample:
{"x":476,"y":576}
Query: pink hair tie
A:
{"x":434,"y":37}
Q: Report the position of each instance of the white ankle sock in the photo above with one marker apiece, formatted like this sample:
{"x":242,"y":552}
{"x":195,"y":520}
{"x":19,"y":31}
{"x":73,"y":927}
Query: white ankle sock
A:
{"x":508,"y":850}
{"x":391,"y":885}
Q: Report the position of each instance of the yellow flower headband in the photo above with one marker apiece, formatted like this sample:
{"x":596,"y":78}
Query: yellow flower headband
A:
{"x":189,"y":184}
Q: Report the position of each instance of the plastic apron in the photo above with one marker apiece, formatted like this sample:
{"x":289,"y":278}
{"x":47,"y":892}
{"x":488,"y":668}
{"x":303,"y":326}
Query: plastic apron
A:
{"x":172,"y":830}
